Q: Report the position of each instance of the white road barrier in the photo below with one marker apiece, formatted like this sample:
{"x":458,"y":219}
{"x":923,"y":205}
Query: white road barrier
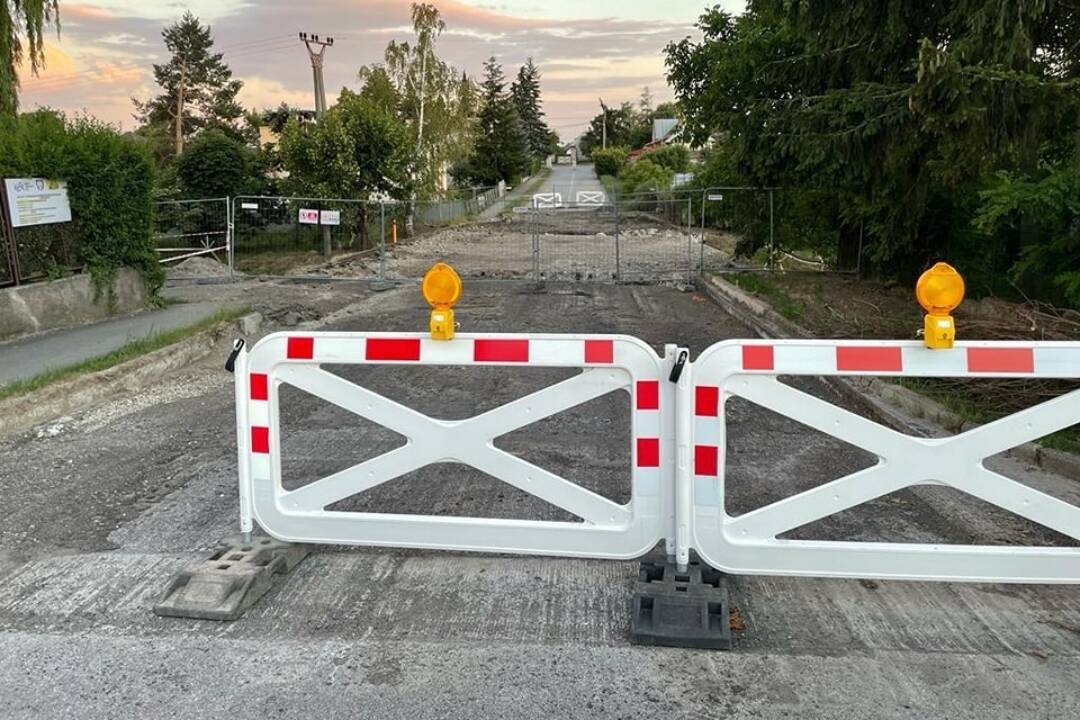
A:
{"x":591,"y":197}
{"x":749,"y":544}
{"x":678,"y":431}
{"x":543,"y":201}
{"x":609,"y":363}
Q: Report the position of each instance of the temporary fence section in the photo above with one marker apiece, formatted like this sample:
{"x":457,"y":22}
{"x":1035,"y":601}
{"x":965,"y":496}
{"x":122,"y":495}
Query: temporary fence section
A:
{"x":677,"y":452}
{"x":609,"y":363}
{"x":420,"y":234}
{"x":643,"y":237}
{"x":190,"y":228}
{"x":277,"y":235}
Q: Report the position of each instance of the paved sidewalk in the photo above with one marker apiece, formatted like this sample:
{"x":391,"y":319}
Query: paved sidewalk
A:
{"x":24,"y":358}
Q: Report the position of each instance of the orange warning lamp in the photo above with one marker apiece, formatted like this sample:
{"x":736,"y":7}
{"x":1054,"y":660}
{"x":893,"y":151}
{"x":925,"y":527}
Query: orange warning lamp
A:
{"x":939,"y":290}
{"x":441,"y":287}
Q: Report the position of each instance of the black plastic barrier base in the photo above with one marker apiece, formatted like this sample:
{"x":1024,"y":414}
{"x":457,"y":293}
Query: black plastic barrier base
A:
{"x":674,"y":609}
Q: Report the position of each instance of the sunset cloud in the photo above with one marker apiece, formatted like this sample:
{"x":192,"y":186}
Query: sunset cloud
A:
{"x":601,"y":47}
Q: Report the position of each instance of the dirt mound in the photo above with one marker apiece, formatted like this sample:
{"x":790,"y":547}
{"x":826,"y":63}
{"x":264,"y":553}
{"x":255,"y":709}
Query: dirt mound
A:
{"x":198,"y":267}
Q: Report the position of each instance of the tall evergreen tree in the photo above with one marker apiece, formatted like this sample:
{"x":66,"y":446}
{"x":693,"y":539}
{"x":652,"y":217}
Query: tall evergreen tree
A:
{"x":197,"y":86}
{"x":17,"y":17}
{"x":526,"y":94}
{"x":898,"y":115}
{"x":501,"y":148}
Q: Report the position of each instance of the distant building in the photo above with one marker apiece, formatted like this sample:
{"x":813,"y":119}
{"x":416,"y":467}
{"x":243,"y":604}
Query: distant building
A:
{"x":665,"y":132}
{"x":663,"y":129}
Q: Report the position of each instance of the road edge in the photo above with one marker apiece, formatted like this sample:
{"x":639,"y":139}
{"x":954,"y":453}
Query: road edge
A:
{"x":888,"y":403}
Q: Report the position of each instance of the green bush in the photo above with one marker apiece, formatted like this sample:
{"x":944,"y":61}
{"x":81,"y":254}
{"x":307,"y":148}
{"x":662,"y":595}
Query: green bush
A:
{"x":610,"y":161}
{"x":110,"y":180}
{"x":675,"y":158}
{"x":215,"y":165}
{"x":643,"y":175}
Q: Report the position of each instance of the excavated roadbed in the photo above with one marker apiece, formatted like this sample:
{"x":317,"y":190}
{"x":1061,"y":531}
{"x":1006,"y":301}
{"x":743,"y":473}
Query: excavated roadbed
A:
{"x":99,"y":514}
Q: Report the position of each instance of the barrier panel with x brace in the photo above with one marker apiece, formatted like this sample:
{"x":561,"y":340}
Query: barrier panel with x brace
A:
{"x":749,"y":543}
{"x":678,"y":436}
{"x":609,"y":363}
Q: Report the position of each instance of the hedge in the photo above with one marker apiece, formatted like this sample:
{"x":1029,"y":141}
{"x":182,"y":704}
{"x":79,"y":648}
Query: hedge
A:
{"x":110,"y":180}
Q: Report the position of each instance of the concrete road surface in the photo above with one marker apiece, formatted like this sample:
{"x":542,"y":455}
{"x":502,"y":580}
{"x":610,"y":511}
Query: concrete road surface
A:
{"x":97,"y":517}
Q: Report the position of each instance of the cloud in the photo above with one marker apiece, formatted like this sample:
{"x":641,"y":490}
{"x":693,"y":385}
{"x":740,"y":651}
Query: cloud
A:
{"x":84,"y":12}
{"x":259,"y":93}
{"x":580,"y":57}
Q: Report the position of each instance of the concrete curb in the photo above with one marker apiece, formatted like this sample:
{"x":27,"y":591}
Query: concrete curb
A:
{"x":84,"y":391}
{"x":888,"y":403}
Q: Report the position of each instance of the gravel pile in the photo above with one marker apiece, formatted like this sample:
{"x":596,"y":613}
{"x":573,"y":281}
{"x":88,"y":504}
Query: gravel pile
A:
{"x":198,"y":267}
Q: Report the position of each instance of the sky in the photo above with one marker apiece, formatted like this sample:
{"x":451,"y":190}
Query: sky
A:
{"x":586,"y":49}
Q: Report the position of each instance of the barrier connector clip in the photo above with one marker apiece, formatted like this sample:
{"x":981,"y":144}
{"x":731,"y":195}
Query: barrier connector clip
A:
{"x":939,"y":290}
{"x":441,"y":288}
{"x":677,"y":368}
{"x":230,"y":363}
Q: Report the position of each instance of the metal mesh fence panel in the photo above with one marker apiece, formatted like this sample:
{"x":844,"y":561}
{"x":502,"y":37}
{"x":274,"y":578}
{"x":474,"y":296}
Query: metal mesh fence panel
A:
{"x":7,"y":269}
{"x":187,"y":228}
{"x":656,"y":238}
{"x":421,"y":234}
{"x":288,"y":235}
{"x":576,"y":242}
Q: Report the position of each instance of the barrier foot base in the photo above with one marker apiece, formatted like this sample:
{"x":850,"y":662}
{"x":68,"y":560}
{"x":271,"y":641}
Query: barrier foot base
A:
{"x":676,"y":609}
{"x":233,"y":579}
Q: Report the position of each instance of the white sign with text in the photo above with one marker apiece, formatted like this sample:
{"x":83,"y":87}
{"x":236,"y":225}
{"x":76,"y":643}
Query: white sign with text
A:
{"x":37,"y":201}
{"x":309,"y":217}
{"x":330,"y":217}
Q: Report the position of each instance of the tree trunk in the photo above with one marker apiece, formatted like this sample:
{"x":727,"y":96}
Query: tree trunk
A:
{"x":179,"y":128}
{"x":849,"y":248}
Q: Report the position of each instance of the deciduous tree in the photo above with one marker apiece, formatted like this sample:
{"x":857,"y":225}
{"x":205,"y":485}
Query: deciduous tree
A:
{"x":19,"y":18}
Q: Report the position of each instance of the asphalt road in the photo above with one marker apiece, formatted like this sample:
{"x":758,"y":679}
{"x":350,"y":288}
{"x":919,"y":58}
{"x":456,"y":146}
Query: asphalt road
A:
{"x":98,"y":515}
{"x":569,"y":180}
{"x":25,"y":358}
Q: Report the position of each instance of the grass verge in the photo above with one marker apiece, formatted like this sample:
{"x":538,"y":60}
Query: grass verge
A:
{"x":131,"y":350}
{"x":969,"y":410}
{"x":787,"y":306}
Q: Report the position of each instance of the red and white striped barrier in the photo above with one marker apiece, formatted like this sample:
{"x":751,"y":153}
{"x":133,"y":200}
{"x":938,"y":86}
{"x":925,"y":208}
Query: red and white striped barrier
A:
{"x":677,"y":453}
{"x":749,"y":544}
{"x":608,"y":363}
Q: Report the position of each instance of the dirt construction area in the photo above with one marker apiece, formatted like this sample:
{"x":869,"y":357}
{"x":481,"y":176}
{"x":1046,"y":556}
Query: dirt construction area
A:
{"x":101,"y":510}
{"x":564,"y":244}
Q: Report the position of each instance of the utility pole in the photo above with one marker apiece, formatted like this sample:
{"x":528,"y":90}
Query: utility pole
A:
{"x":317,"y":68}
{"x":320,"y":108}
{"x":604,"y":107}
